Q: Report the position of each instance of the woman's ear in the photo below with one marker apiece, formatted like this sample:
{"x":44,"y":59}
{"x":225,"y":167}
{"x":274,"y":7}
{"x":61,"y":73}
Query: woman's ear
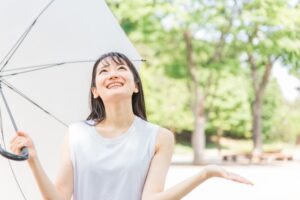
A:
{"x":95,"y":93}
{"x":136,"y":90}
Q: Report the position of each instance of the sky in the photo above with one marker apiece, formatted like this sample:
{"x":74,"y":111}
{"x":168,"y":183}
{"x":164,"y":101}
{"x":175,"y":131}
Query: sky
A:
{"x":288,"y":83}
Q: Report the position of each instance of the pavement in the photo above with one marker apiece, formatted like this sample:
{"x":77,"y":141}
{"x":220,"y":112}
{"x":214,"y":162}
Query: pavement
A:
{"x":273,"y":180}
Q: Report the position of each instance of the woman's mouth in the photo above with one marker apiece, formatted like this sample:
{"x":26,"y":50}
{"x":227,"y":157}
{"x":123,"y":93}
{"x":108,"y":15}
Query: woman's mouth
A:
{"x":114,"y":85}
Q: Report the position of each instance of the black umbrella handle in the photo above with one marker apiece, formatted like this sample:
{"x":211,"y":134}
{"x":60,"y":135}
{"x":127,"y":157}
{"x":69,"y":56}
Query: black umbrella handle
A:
{"x":24,"y":151}
{"x":23,"y":155}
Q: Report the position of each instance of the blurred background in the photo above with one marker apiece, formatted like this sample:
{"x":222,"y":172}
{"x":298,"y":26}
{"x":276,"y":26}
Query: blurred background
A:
{"x":223,"y":75}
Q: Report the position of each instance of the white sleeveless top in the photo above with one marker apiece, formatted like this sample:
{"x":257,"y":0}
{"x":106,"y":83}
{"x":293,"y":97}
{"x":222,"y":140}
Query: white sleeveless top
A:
{"x":111,"y":168}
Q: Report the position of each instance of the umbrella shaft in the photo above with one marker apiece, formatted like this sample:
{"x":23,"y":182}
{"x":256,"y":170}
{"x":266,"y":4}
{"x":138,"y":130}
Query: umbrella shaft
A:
{"x":8,"y":109}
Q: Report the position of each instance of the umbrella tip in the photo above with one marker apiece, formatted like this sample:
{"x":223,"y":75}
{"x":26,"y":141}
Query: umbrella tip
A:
{"x":139,"y":60}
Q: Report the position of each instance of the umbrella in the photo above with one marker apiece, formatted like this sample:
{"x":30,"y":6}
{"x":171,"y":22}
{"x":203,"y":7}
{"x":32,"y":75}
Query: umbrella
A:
{"x":46,"y":55}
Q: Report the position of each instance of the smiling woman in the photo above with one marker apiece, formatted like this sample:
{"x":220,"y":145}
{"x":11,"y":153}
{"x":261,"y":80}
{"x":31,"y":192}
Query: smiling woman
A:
{"x":116,"y":153}
{"x":110,"y":74}
{"x":110,"y":70}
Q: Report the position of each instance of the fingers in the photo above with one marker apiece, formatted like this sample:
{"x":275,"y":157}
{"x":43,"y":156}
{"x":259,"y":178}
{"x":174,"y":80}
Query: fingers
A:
{"x":21,"y":133}
{"x":216,"y":171}
{"x":15,"y":148}
{"x":237,"y":178}
{"x":18,"y":142}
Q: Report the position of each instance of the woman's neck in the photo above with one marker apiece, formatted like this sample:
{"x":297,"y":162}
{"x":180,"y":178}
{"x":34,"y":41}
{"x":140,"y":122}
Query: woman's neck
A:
{"x":118,"y":114}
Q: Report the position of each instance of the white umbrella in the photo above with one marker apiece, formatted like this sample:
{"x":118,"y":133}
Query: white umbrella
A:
{"x":64,"y":37}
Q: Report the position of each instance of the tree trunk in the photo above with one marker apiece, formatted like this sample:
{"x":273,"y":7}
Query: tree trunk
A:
{"x":259,"y":86}
{"x":198,"y":141}
{"x":197,"y":102}
{"x":198,"y":137}
{"x":256,"y":124}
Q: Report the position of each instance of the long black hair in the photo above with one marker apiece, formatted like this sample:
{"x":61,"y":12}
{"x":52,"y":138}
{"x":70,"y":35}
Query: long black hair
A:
{"x":138,"y":102}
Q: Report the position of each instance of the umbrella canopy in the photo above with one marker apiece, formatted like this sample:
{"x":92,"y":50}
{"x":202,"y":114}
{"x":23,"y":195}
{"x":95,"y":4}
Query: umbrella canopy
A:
{"x":64,"y":37}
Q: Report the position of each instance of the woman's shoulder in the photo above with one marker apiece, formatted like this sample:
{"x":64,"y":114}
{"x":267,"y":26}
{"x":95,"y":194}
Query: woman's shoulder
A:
{"x":165,"y":139}
{"x":81,"y":125}
{"x":161,"y":130}
{"x":79,"y":131}
{"x":164,"y":136}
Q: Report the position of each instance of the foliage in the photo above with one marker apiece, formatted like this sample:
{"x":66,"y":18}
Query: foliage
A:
{"x":271,"y":110}
{"x":229,"y":108}
{"x":224,"y":32}
{"x":286,"y":124}
{"x":166,"y":100}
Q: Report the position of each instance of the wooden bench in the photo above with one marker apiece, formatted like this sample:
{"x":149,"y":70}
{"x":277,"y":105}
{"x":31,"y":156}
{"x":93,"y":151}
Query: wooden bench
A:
{"x":265,"y":156}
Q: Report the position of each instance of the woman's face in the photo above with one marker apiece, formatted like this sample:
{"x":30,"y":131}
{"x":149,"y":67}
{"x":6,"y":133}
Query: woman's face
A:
{"x":113,"y":81}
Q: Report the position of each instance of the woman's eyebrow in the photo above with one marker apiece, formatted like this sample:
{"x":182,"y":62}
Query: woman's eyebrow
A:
{"x":103,"y":66}
{"x":122,"y":65}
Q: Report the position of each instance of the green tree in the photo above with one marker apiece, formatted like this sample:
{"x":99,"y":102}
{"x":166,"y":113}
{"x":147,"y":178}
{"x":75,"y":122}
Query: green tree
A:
{"x":197,"y":40}
{"x":267,"y":32}
{"x":286,"y":124}
{"x":191,"y":52}
{"x":228,"y":107}
{"x":166,"y":100}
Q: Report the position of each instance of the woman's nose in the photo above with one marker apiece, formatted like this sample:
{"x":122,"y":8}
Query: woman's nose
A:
{"x":113,"y":74}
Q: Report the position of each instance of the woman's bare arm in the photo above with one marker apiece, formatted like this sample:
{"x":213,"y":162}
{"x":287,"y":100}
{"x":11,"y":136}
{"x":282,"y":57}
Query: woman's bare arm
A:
{"x":154,"y":186}
{"x":63,"y":188}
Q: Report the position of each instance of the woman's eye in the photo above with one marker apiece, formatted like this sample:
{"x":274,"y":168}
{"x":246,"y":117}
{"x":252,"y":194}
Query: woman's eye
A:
{"x":102,"y":71}
{"x":122,"y":68}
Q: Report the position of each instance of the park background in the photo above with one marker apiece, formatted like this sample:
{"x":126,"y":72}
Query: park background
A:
{"x":223,"y":75}
{"x":219,"y":74}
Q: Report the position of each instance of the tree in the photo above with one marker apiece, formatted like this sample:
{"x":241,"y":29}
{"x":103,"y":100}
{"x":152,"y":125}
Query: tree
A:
{"x":267,"y":32}
{"x":195,"y":40}
{"x":194,"y":51}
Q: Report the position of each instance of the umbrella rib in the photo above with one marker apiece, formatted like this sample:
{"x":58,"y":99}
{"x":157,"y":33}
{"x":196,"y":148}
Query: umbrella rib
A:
{"x":31,"y":101}
{"x":41,"y":67}
{"x":60,"y":63}
{"x":7,"y":57}
{"x":9,"y":163}
{"x":48,"y":64}
{"x":16,"y":46}
{"x":45,"y":66}
{"x":1,"y":130}
{"x":13,"y":48}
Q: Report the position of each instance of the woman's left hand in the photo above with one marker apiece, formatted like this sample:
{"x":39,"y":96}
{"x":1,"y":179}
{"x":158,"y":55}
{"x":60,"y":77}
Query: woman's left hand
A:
{"x":216,"y":171}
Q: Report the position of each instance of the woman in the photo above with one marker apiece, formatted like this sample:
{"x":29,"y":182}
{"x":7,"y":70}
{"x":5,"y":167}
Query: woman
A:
{"x":115,"y":154}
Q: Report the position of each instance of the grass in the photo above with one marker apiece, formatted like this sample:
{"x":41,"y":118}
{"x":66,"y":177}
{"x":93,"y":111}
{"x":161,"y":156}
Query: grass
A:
{"x":235,"y":145}
{"x":183,"y":149}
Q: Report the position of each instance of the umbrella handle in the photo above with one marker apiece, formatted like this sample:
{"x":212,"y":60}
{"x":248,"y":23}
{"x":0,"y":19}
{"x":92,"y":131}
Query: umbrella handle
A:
{"x":23,"y":155}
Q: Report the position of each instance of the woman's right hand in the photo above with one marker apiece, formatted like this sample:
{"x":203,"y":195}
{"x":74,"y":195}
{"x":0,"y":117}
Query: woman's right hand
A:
{"x":216,"y":171}
{"x":23,"y":140}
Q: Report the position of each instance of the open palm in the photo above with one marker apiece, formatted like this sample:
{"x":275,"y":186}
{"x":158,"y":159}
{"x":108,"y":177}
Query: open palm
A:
{"x":216,"y":171}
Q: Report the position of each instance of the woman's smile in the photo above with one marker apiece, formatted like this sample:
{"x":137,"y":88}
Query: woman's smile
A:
{"x":114,"y":85}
